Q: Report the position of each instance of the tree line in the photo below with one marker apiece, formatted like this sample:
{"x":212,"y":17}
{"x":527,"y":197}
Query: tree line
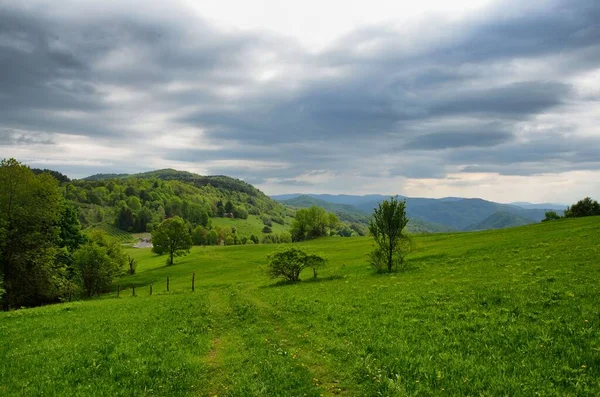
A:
{"x":44,"y":255}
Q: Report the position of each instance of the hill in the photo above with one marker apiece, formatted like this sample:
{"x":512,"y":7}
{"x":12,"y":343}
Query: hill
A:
{"x":504,"y":312}
{"x":138,"y":202}
{"x":501,"y":220}
{"x":351,"y":214}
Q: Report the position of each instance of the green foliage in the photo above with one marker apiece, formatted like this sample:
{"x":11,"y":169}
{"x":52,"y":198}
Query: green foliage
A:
{"x":551,"y":216}
{"x":171,"y":237}
{"x":312,"y":222}
{"x":289,"y":263}
{"x":386,"y":227}
{"x":267,"y":229}
{"x":31,"y":210}
{"x":584,"y":207}
{"x":98,"y":263}
{"x":200,"y":235}
{"x":212,"y":237}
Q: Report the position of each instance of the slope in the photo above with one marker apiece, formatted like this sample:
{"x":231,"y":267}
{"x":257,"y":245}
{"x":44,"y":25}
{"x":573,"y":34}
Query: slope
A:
{"x":500,"y":220}
{"x":502,"y":312}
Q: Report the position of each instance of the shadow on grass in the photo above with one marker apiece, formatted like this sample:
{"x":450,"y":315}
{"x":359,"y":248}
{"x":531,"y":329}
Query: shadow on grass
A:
{"x":282,"y":283}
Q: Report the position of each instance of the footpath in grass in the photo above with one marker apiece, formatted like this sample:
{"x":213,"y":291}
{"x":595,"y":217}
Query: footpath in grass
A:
{"x":508,"y":312}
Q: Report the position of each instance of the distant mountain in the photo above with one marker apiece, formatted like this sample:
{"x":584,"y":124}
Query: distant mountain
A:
{"x":349,"y":213}
{"x":335,"y":198}
{"x":346,"y":213}
{"x":452,"y":213}
{"x":501,"y":220}
{"x":543,"y":206}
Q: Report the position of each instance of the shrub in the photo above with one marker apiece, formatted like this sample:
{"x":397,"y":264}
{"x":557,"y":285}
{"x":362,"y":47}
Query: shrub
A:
{"x":289,"y":263}
{"x":266,"y":229}
{"x":585,"y":207}
{"x":550,"y":216}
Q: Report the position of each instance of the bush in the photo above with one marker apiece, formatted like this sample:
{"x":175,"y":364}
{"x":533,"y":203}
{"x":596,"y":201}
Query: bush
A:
{"x":267,"y":229}
{"x":285,"y":237}
{"x":267,"y":221}
{"x":289,"y":263}
{"x":550,"y":216}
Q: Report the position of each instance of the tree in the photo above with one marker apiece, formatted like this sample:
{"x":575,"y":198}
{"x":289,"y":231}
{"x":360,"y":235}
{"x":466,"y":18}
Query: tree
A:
{"x":312,"y":222}
{"x":584,"y":207}
{"x":212,"y":238}
{"x":550,"y":216}
{"x":125,"y":219}
{"x":387,"y":226}
{"x":143,"y":219}
{"x":240,"y":213}
{"x":171,"y":237}
{"x":98,"y":263}
{"x":199,"y":235}
{"x":289,"y":263}
{"x":229,"y":207}
{"x":31,"y":208}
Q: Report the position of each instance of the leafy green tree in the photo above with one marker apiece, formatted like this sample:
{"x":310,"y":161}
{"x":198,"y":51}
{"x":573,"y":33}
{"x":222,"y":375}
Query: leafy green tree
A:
{"x":289,"y":263}
{"x":98,"y":263}
{"x":312,"y":222}
{"x":199,"y":235}
{"x":229,"y":240}
{"x":254,"y":239}
{"x":584,"y":207}
{"x":387,"y":228}
{"x":171,"y":237}
{"x":134,"y":203}
{"x":31,"y":207}
{"x":550,"y":216}
{"x":266,"y":229}
{"x":70,"y":235}
{"x":212,"y":238}
{"x":143,"y":219}
{"x":229,"y":207}
{"x":285,"y":237}
{"x":240,"y":213}
{"x":125,"y":218}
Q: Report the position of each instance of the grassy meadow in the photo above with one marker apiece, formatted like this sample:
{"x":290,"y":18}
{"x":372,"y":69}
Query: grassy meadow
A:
{"x":503,"y":312}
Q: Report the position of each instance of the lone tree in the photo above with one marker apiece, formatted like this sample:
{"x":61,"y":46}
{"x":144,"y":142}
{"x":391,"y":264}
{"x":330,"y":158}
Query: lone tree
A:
{"x":386,"y":227}
{"x":289,"y":263}
{"x":171,"y":237}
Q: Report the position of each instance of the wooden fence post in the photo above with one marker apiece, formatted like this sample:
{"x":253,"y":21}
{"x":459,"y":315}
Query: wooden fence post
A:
{"x":132,"y":289}
{"x":167,"y":284}
{"x":193,"y":280}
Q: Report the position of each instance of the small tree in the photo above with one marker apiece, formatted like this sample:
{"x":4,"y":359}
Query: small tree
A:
{"x":98,"y":263}
{"x":289,"y":263}
{"x":386,"y":227}
{"x":171,"y":237}
{"x":550,"y":216}
{"x":132,"y":265}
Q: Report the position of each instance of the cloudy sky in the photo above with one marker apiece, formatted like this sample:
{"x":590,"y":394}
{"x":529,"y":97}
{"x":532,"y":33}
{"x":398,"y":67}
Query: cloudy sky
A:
{"x":492,"y":99}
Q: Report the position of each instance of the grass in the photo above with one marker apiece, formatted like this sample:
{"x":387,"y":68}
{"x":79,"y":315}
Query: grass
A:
{"x":504,"y":312}
{"x":251,"y":226}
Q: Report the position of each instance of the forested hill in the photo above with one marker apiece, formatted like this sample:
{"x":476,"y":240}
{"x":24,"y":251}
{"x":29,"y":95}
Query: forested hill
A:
{"x":138,"y":202}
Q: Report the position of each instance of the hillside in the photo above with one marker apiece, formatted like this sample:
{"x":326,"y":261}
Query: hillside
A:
{"x":501,"y":220}
{"x":502,"y":312}
{"x":136,"y":203}
{"x":351,"y":214}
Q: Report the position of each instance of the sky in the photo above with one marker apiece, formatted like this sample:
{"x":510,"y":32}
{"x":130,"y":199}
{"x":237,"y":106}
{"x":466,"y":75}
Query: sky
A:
{"x":491,"y":99}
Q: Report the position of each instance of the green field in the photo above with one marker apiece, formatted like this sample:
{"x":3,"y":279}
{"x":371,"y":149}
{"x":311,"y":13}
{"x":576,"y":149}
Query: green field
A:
{"x":504,"y":312}
{"x":251,"y":226}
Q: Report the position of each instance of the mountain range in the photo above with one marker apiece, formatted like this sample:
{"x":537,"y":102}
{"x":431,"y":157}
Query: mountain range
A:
{"x":428,"y":214}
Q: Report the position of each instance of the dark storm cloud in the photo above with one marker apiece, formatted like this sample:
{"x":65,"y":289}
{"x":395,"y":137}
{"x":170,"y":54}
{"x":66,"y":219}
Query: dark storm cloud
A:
{"x":453,"y":94}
